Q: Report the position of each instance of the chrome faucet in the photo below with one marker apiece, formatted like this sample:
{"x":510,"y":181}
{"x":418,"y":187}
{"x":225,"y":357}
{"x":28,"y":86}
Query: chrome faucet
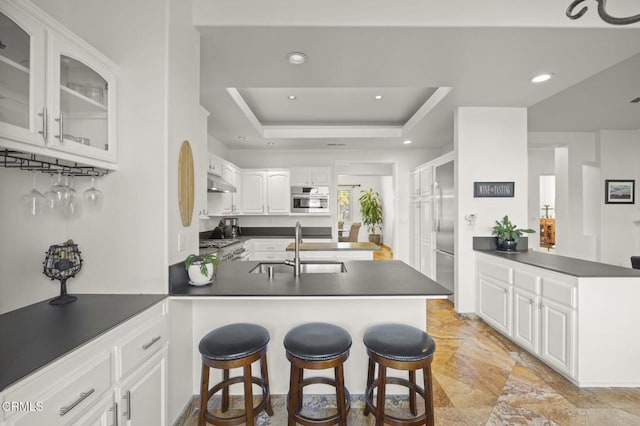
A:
{"x":296,"y":257}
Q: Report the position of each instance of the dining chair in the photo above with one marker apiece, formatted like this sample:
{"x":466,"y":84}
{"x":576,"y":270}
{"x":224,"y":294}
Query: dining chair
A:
{"x":353,"y":234}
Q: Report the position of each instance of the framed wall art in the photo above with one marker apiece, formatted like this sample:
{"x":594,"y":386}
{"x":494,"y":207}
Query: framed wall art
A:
{"x":619,"y":191}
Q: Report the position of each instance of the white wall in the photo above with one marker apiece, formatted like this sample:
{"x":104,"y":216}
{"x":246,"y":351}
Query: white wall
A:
{"x":491,"y":145}
{"x":620,"y":159}
{"x":387,"y":193}
{"x":404,"y":159}
{"x":183,"y":119}
{"x":572,"y":151}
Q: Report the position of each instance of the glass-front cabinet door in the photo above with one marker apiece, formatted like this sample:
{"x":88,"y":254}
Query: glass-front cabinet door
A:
{"x":82,"y":91}
{"x":22,"y":77}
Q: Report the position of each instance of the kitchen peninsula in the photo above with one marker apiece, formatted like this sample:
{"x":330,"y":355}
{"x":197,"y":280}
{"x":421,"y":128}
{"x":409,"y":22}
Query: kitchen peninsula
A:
{"x":577,"y":316}
{"x":367,"y":293}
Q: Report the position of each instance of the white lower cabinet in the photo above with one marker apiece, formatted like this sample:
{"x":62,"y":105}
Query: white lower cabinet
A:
{"x":526,"y":321}
{"x":557,"y":336}
{"x":103,"y":413}
{"x":536,"y":308}
{"x":270,"y":250}
{"x":85,"y":387}
{"x":495,"y":304}
{"x":143,"y":395}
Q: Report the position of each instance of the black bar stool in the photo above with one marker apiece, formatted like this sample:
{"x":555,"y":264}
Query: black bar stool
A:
{"x":317,"y":346}
{"x":400,"y":347}
{"x":233,"y":346}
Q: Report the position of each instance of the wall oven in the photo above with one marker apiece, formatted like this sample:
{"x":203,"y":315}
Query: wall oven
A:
{"x":309,"y":199}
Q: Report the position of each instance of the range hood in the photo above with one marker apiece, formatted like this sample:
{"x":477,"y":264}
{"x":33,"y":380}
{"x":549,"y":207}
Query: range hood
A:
{"x":215,"y":183}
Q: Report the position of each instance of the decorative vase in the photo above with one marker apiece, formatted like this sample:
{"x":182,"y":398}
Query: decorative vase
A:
{"x":374,"y":238}
{"x":197,"y":277}
{"x":507,"y":245}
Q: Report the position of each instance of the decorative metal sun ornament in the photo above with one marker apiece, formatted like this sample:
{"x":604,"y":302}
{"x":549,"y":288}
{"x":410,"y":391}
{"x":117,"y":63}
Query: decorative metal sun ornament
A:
{"x":602,"y":12}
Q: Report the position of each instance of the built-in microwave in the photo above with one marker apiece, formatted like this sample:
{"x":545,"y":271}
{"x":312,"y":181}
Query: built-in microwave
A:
{"x":309,"y":199}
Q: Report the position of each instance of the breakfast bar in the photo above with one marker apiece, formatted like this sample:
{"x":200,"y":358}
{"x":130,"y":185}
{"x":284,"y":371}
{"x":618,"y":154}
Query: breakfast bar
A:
{"x":366,"y":293}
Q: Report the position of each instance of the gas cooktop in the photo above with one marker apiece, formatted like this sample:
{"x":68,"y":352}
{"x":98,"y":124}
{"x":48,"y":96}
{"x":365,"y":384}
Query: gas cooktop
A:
{"x":218,"y":243}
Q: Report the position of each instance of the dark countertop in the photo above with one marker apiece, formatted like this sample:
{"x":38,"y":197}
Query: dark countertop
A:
{"x":565,"y":265}
{"x":335,"y":247}
{"x":364,"y":278}
{"x":36,"y":335}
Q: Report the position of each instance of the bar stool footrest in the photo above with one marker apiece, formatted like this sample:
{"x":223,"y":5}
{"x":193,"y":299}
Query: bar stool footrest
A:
{"x":321,"y":421}
{"x":393,"y":420}
{"x":240,"y":419}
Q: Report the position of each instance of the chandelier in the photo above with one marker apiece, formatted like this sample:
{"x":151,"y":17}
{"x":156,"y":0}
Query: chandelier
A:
{"x":602,"y":12}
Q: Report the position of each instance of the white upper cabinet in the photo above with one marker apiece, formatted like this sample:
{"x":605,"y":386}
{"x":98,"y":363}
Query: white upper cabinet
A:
{"x":253,"y":190}
{"x":426,"y":181}
{"x":215,"y":164}
{"x":231,"y":200}
{"x":278,"y":192}
{"x":22,"y":85}
{"x":265,"y":192}
{"x":316,"y":176}
{"x":82,"y":99}
{"x":57,"y":93}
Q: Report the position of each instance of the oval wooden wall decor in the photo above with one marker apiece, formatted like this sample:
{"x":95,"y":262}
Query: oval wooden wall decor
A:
{"x":185,"y":183}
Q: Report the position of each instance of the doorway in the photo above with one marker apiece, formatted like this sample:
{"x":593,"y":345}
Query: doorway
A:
{"x":354,"y":177}
{"x":547,"y":212}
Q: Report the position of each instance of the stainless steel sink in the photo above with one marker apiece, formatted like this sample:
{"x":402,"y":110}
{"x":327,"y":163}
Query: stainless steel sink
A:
{"x":317,"y":267}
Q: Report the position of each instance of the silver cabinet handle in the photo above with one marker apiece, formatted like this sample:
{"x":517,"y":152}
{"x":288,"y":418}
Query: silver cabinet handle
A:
{"x":148,"y":345}
{"x":82,"y":397}
{"x":114,"y":410}
{"x":61,"y":131}
{"x":127,"y":398}
{"x":43,"y":132}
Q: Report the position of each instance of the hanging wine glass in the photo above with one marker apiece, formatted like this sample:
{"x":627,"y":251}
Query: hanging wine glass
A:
{"x":34,"y":200}
{"x":58,"y":194}
{"x":73,"y":206}
{"x":93,"y":196}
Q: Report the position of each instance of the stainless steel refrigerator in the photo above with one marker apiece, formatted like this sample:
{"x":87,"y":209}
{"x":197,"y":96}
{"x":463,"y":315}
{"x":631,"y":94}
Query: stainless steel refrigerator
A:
{"x":444,"y":222}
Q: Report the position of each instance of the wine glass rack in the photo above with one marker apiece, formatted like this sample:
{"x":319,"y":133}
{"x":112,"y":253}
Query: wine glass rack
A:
{"x":38,"y":163}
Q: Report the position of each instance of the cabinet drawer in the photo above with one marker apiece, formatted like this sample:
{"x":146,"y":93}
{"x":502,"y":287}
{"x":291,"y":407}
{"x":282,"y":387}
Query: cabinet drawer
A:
{"x":558,"y":291}
{"x":142,"y":344}
{"x":68,"y":397}
{"x":498,"y":272}
{"x":271,"y":256}
{"x":271,"y":245}
{"x":526,"y":281}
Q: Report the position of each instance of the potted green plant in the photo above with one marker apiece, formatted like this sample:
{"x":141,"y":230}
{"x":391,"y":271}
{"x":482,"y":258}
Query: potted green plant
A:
{"x":371,"y":212}
{"x":508,"y":234}
{"x":201,"y":268}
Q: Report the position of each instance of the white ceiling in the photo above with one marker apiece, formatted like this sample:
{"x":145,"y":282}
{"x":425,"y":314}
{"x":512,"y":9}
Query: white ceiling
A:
{"x":346,"y":65}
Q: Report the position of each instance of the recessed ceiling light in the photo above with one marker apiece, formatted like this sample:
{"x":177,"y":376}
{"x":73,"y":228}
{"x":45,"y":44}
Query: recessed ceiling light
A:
{"x":407,"y":142}
{"x":541,"y":78}
{"x":296,"y":58}
{"x":292,"y":97}
{"x":378,"y":97}
{"x":270,"y":143}
{"x":241,"y":138}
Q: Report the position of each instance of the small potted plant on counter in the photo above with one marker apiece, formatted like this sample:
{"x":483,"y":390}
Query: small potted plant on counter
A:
{"x":371,"y":211}
{"x":508,"y":234}
{"x":201,"y":268}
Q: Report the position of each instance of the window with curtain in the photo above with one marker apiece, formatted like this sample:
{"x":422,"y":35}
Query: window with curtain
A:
{"x":344,"y":205}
